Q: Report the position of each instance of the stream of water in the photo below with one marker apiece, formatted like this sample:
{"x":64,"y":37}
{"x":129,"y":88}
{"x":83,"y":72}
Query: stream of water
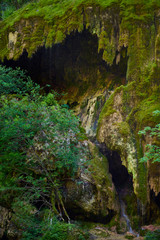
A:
{"x":124,"y":215}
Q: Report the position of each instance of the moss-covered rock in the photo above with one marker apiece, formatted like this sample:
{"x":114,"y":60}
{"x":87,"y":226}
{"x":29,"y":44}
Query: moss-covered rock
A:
{"x":7,"y":228}
{"x":128,"y":110}
{"x":93,"y":192}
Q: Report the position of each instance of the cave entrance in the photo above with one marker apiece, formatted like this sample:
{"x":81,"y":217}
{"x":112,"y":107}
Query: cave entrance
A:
{"x":121,"y":178}
{"x":154,"y":212}
{"x":123,"y":183}
{"x":73,"y":66}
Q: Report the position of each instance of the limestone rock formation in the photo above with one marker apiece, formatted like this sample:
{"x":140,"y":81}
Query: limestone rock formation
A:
{"x":126,"y":62}
{"x":93,"y":193}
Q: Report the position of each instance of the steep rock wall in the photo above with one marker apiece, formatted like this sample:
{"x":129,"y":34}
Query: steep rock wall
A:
{"x":129,"y":109}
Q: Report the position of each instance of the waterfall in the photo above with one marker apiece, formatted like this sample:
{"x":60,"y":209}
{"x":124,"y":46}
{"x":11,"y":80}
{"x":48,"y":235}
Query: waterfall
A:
{"x":124,"y":215}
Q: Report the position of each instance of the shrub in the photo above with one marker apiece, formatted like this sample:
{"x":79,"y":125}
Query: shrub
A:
{"x":153,"y":235}
{"x":15,"y":81}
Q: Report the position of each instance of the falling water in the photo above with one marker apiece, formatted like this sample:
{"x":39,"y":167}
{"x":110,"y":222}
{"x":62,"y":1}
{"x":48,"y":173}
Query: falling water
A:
{"x":123,"y":213}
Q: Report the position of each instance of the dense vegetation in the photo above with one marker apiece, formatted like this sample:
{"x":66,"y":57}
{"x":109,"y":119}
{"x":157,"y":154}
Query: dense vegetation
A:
{"x":152,"y":151}
{"x":58,"y":8}
{"x":7,"y":7}
{"x":40,"y":145}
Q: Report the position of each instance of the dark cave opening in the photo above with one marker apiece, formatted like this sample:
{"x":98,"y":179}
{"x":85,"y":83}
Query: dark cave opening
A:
{"x":123,"y":183}
{"x":73,"y":63}
{"x":154,"y":206}
{"x":121,"y":178}
{"x":156,"y":198}
{"x":4,"y":237}
{"x":77,"y":215}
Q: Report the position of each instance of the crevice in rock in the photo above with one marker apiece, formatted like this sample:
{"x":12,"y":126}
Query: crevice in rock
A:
{"x":156,"y":198}
{"x":154,"y":206}
{"x":121,"y":178}
{"x":80,"y":215}
{"x":123,"y":183}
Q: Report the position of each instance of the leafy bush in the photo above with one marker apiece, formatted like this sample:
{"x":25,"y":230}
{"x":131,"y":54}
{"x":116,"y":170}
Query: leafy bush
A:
{"x":57,"y":231}
{"x":40,"y":145}
{"x":8,"y":10}
{"x":152,"y":150}
{"x":43,"y":225}
{"x":153,"y":235}
{"x":7,"y":7}
{"x":15,"y":81}
{"x":29,"y":128}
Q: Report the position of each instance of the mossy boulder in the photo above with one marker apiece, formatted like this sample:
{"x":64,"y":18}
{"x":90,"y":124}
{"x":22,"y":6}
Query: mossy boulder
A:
{"x":92,"y":194}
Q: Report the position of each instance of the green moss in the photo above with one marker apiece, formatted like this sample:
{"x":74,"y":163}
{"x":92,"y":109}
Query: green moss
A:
{"x":108,"y":46}
{"x":99,"y":166}
{"x":108,"y":108}
{"x":124,"y":129}
{"x":144,"y":115}
{"x":139,"y":100}
{"x":100,"y":173}
{"x":142,"y":180}
{"x":3,"y":45}
{"x":50,"y":38}
{"x":63,"y":17}
{"x":129,"y":237}
{"x":131,"y":203}
{"x":59,"y":37}
{"x":115,"y":221}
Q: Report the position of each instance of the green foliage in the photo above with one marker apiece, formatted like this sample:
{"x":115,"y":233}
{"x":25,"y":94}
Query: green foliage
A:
{"x":56,"y":129}
{"x":40,"y":145}
{"x":8,"y":7}
{"x":27,"y":219}
{"x":52,"y":8}
{"x":7,"y":12}
{"x":15,"y":81}
{"x":152,"y":150}
{"x":153,"y":235}
{"x":41,"y":225}
{"x":57,"y":231}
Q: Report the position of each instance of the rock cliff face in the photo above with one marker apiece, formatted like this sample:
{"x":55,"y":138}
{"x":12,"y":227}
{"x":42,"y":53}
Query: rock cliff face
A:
{"x":107,"y":57}
{"x":7,"y":228}
{"x":92,"y":195}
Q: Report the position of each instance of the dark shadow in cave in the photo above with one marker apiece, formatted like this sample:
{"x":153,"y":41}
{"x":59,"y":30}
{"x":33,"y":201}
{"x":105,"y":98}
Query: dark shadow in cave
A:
{"x":4,"y":237}
{"x":156,"y":198}
{"x":123,"y":183}
{"x":77,"y":215}
{"x":75,"y":62}
{"x":154,"y":206}
{"x":121,"y":178}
